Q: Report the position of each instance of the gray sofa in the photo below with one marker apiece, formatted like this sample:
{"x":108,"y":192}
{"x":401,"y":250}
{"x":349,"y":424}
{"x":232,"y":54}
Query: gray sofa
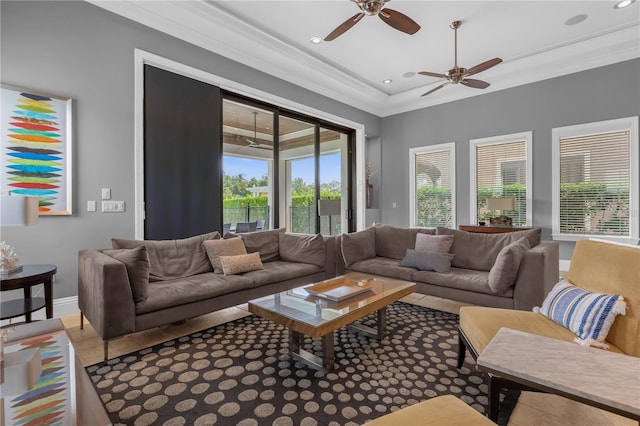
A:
{"x":144,"y":284}
{"x":524,"y":274}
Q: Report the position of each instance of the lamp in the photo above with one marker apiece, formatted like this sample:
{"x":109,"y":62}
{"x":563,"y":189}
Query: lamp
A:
{"x":500,"y":204}
{"x":15,"y":211}
{"x":328,"y":208}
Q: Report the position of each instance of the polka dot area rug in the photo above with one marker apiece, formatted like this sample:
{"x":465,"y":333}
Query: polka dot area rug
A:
{"x":240,"y":373}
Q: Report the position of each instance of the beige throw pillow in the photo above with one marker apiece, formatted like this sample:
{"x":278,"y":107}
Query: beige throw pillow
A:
{"x":241,"y":263}
{"x":217,"y":248}
{"x":504,"y":272}
{"x":434,"y":243}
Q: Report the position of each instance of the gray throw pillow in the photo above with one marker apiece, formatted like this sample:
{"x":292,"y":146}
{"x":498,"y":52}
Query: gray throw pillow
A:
{"x":427,"y":260}
{"x":357,"y":246}
{"x":504,"y":272}
{"x":136,"y":260}
{"x":265,"y":242}
{"x":437,"y":243}
{"x":227,"y":247}
{"x":393,"y":242}
{"x":170,"y":259}
{"x":303,"y":249}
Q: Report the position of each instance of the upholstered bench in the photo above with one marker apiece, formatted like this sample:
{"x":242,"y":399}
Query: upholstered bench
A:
{"x":444,"y":410}
{"x":595,"y":266}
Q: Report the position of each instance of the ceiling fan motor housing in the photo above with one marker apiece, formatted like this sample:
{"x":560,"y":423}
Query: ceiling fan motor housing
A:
{"x":371,"y":7}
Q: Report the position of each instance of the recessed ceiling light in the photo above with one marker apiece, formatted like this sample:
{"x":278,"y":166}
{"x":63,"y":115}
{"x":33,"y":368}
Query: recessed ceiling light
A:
{"x":623,"y":3}
{"x":387,"y":81}
{"x":316,"y":40}
{"x":576,"y":19}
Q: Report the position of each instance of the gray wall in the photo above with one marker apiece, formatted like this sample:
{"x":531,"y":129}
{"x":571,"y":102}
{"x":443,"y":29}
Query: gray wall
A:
{"x":594,"y":95}
{"x":79,"y":50}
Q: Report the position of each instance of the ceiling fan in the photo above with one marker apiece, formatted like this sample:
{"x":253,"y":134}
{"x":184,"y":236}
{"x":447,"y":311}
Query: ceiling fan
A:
{"x":458,"y":74}
{"x":253,"y":143}
{"x":397,"y":20}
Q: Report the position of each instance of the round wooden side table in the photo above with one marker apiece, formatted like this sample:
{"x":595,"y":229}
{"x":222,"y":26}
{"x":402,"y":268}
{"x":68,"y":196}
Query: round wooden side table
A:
{"x":29,"y":276}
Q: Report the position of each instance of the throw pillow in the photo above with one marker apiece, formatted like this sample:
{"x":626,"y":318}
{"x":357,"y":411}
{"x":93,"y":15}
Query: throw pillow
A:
{"x":136,"y":260}
{"x":170,"y":259}
{"x":503,"y":273}
{"x":357,"y":246}
{"x":241,"y":263}
{"x":264,"y":242}
{"x":589,"y":315}
{"x":437,"y":243}
{"x":427,"y":260}
{"x":217,"y":248}
{"x":303,"y":248}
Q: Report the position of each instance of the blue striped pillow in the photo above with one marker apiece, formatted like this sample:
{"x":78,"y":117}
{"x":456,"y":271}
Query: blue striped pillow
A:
{"x":589,"y":315}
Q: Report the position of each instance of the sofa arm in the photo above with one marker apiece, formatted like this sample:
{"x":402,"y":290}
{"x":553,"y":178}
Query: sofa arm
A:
{"x":104,"y":294}
{"x":539,"y":272}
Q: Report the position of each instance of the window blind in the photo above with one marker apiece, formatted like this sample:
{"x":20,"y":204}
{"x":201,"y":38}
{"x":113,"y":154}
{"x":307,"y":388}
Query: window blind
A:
{"x":433,"y":179}
{"x":501,"y":171}
{"x":594,"y":184}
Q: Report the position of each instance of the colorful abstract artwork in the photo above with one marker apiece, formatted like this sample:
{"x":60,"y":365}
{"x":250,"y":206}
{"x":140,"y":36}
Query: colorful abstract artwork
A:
{"x":50,"y":401}
{"x":36,"y":148}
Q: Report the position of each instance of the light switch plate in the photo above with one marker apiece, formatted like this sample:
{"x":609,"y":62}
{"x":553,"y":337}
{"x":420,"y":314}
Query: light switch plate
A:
{"x":112,"y":206}
{"x":91,"y":206}
{"x":106,"y":193}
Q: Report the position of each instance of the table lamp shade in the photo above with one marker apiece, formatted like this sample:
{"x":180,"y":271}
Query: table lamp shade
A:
{"x":328,"y":207}
{"x":16,"y":210}
{"x":501,"y":203}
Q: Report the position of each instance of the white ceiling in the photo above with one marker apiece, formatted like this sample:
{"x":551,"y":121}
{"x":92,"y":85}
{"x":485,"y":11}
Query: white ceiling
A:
{"x":273,"y":36}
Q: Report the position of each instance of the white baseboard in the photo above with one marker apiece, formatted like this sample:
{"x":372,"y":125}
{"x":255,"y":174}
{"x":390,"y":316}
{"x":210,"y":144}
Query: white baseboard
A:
{"x":61,"y":308}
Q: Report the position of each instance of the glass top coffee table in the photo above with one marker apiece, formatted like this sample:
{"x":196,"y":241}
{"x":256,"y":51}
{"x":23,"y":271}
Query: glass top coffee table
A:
{"x":318,"y":310}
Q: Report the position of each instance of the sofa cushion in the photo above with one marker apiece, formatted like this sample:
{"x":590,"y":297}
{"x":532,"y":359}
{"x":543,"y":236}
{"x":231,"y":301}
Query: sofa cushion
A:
{"x":357,"y":246}
{"x":232,"y":265}
{"x":393,"y":242}
{"x":436,"y":243}
{"x":428,"y":260}
{"x":136,"y":260}
{"x":280,"y":270}
{"x":479,"y":251}
{"x":217,"y":248}
{"x":461,"y":279}
{"x":385,"y":267}
{"x":169,"y":259}
{"x":180,"y":291}
{"x":264,"y":242}
{"x":504,"y":271}
{"x":589,"y":315}
{"x":302,"y":248}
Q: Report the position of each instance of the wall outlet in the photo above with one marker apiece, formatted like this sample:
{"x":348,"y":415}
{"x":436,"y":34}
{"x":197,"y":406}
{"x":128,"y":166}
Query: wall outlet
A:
{"x":106,"y":193}
{"x":112,"y":206}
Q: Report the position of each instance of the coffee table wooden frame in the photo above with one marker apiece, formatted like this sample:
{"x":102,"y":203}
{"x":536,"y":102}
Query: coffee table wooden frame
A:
{"x":309,"y":321}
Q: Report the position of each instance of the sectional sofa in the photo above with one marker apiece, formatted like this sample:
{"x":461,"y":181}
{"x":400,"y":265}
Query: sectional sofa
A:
{"x":510,"y":270}
{"x":139,"y":285}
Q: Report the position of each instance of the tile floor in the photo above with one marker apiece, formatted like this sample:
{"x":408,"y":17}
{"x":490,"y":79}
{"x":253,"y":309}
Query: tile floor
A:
{"x":532,"y":408}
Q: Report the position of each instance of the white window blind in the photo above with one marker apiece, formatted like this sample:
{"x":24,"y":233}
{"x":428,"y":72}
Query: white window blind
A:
{"x":433,"y":186}
{"x":594,"y":184}
{"x":501,"y":171}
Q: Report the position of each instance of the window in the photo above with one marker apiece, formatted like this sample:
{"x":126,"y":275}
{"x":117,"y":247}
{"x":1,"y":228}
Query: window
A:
{"x":432,"y":185}
{"x":595,"y":180}
{"x":501,"y":167}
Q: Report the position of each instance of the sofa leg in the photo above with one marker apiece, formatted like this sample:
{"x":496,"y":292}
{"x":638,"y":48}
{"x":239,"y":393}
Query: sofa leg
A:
{"x":462,"y":351}
{"x":81,"y":321}
{"x":494,"y":397}
{"x":106,"y":350}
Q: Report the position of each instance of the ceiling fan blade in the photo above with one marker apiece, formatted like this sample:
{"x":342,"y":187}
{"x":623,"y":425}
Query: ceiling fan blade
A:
{"x":437,"y":88}
{"x":399,"y":21}
{"x":476,"y":84}
{"x":432,"y":74}
{"x":483,"y":66}
{"x":342,"y":28}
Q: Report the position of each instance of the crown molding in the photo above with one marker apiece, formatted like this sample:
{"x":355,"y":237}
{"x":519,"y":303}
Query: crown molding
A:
{"x":208,"y":25}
